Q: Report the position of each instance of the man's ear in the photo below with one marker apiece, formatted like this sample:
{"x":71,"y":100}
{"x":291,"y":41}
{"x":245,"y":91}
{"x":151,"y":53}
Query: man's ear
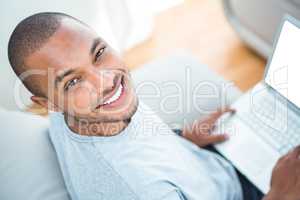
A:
{"x":44,"y":102}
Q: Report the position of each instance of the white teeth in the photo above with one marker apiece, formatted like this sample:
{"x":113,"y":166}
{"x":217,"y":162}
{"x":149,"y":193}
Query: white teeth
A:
{"x":115,"y":97}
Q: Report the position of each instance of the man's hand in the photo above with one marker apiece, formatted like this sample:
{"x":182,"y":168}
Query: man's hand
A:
{"x":200,"y":131}
{"x":285,"y":184}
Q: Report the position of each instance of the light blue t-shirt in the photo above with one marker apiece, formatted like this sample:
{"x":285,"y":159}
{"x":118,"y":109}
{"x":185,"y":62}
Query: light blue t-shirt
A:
{"x":146,"y":161}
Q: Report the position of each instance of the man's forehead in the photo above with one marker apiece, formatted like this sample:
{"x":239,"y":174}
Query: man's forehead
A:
{"x":70,"y":27}
{"x":71,"y":33}
{"x":68,"y":46}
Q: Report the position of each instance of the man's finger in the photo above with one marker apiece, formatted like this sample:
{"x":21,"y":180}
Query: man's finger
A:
{"x":211,"y":139}
{"x":220,"y":112}
{"x":228,"y":109}
{"x":296,"y":152}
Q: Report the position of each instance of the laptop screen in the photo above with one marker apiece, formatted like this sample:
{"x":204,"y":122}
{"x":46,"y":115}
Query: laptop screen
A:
{"x":284,"y":67}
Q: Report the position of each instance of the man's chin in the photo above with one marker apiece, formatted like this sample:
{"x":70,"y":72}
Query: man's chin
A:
{"x":116,"y":116}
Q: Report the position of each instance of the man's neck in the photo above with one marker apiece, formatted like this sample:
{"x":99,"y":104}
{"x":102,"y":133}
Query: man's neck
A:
{"x":84,"y":127}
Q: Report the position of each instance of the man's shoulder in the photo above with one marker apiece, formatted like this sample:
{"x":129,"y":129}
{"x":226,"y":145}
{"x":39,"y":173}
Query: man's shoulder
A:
{"x":56,"y":121}
{"x":56,"y":128}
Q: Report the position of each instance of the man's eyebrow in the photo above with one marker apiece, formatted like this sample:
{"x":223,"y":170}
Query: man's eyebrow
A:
{"x":61,"y":76}
{"x":95,"y":43}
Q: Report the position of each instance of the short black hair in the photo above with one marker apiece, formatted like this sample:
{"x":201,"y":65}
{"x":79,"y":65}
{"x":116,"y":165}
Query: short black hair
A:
{"x":29,"y":36}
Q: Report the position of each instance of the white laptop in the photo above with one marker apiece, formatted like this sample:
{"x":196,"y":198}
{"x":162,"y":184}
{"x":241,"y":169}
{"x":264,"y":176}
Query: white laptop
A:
{"x":267,"y":122}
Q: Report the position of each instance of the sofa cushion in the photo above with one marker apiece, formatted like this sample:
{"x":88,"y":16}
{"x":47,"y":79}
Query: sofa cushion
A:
{"x":28,"y":167}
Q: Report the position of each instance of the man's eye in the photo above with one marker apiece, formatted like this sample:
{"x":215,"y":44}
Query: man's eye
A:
{"x":99,"y":53}
{"x":71,"y":83}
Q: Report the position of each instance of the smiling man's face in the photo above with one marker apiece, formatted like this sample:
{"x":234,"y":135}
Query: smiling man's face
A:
{"x":82,"y":76}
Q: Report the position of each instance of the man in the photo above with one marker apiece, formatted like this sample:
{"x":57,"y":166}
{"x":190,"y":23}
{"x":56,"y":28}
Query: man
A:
{"x":111,"y":147}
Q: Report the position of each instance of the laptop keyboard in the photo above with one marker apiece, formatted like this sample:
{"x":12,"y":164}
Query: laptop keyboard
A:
{"x":272,"y":120}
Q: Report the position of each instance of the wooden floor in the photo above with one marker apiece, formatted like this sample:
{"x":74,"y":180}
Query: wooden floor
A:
{"x":201,"y":27}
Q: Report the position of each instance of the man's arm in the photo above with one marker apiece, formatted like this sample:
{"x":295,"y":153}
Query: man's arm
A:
{"x":285,"y":184}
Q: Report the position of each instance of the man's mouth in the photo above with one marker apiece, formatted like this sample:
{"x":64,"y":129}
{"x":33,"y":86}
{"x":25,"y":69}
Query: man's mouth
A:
{"x":115,"y":97}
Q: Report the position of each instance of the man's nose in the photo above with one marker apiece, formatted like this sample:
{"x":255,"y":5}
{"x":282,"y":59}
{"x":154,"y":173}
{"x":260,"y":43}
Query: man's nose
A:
{"x":104,"y":81}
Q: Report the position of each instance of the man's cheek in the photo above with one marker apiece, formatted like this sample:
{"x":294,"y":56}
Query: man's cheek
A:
{"x":82,"y":101}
